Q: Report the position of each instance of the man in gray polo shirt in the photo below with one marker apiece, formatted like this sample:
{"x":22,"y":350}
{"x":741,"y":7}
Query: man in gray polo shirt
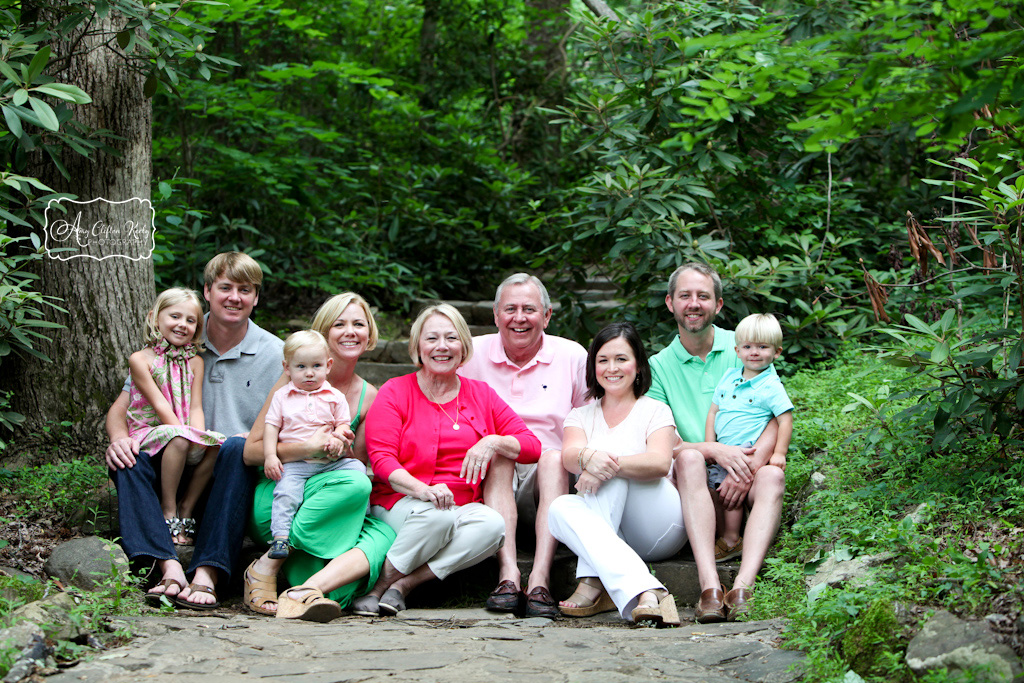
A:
{"x":242,"y":362}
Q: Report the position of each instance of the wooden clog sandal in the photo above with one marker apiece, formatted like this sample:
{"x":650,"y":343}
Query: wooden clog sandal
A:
{"x":588,"y":607}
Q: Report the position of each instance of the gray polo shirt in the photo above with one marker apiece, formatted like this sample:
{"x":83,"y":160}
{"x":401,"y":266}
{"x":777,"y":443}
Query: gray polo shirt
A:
{"x":236,"y":383}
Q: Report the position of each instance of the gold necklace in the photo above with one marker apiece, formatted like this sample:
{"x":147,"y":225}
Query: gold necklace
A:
{"x":455,"y":422}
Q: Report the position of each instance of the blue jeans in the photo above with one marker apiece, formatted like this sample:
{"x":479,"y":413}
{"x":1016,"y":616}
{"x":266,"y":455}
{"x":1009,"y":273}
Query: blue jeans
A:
{"x":219,"y":537}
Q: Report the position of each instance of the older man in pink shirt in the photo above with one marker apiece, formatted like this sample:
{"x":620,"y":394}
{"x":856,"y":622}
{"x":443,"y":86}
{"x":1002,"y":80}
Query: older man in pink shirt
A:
{"x":542,"y":377}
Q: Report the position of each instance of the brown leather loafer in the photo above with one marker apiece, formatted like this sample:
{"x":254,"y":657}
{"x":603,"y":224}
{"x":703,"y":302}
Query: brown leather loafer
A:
{"x":737,"y":602}
{"x":504,"y":598}
{"x":539,"y":603}
{"x":710,"y":608}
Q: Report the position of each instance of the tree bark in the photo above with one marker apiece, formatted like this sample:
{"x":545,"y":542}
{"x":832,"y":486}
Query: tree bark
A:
{"x":601,"y":9}
{"x":106,"y":300}
{"x":540,"y":82}
{"x":428,"y":52}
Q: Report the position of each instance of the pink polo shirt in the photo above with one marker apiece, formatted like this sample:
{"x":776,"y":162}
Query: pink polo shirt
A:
{"x":543,"y":391}
{"x":298,"y":413}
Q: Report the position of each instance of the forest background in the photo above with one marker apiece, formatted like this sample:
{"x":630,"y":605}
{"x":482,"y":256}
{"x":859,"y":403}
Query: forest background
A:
{"x":853,"y":166}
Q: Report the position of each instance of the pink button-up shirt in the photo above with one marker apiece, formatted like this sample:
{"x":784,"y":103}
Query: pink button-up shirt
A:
{"x":298,"y":414}
{"x":543,"y":391}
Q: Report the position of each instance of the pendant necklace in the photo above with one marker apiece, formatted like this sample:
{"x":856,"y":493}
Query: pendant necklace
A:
{"x":455,"y":422}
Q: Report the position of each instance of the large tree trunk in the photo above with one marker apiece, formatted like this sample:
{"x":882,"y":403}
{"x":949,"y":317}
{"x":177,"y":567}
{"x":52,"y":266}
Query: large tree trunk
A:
{"x":106,"y":300}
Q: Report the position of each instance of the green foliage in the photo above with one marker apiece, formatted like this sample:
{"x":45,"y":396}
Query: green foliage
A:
{"x":154,"y":39}
{"x":695,"y":161}
{"x":22,"y":310}
{"x":60,"y":489}
{"x":873,"y":479}
{"x":865,"y":645}
{"x":339,"y":160}
{"x":966,"y":365}
{"x":948,"y":71}
{"x":113,"y":596}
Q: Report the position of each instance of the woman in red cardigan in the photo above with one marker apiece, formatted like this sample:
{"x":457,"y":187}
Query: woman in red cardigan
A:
{"x":431,"y":436}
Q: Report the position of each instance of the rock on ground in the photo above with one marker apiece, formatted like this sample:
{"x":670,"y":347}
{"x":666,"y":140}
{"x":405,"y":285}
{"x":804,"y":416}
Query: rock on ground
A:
{"x":88,"y":563}
{"x":945,"y":642}
{"x":52,"y":615}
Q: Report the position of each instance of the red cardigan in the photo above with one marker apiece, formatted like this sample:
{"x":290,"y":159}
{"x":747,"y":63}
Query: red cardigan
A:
{"x":402,"y":429}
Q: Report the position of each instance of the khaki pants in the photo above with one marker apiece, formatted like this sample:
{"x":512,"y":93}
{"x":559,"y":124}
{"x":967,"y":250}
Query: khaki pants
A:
{"x":445,"y":540}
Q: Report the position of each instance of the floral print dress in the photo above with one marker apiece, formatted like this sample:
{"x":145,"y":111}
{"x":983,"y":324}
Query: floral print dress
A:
{"x":173,"y":376}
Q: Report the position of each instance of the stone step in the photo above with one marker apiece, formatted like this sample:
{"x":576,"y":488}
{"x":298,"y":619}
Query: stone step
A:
{"x":378,"y":373}
{"x":475,"y":312}
{"x":589,"y":295}
{"x":679,"y":574}
{"x":471,"y":586}
{"x":595,"y":282}
{"x":394,"y":351}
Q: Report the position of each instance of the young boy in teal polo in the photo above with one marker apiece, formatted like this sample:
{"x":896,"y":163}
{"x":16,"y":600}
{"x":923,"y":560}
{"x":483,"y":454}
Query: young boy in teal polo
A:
{"x":744,"y":403}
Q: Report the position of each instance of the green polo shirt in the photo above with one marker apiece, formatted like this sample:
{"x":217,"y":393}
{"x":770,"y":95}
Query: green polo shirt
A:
{"x":686,"y":383}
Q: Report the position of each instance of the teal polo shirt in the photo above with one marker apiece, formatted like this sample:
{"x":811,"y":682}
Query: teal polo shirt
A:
{"x":687,"y":384}
{"x":745,"y":406}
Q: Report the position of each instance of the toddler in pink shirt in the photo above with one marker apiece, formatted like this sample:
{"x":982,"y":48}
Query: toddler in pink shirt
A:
{"x":297,"y":411}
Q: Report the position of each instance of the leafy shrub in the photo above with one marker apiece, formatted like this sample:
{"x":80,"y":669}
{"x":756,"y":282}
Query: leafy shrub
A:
{"x":22,"y":313}
{"x":61,"y":489}
{"x":695,"y":160}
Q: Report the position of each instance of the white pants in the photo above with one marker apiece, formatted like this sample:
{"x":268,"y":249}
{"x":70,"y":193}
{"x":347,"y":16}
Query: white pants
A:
{"x":444,"y":540}
{"x":617,"y":530}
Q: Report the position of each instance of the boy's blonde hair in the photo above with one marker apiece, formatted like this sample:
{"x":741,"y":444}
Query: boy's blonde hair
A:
{"x":760,"y":328}
{"x":302,"y":339}
{"x":461,"y":329}
{"x":235,"y":266}
{"x":332,"y":309}
{"x":173,"y":297}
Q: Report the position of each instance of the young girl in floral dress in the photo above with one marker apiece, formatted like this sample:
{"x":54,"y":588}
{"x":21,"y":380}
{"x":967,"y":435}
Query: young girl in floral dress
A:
{"x":165,"y":414}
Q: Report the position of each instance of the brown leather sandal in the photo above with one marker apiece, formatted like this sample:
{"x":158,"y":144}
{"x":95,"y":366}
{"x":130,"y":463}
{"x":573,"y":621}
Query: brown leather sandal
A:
{"x":258,"y":590}
{"x":197,"y":588}
{"x":154,"y":599}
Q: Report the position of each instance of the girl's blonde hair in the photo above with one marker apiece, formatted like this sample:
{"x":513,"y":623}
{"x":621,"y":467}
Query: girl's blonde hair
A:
{"x":332,"y":309}
{"x":461,"y":329}
{"x":173,"y":297}
{"x":760,"y":328}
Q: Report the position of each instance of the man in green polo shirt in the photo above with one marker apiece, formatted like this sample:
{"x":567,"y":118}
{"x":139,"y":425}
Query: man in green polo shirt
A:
{"x":685,"y":375}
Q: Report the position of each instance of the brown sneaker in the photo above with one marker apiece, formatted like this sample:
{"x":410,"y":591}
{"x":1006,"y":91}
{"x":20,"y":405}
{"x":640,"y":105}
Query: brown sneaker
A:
{"x":710,"y":608}
{"x":725,"y":552}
